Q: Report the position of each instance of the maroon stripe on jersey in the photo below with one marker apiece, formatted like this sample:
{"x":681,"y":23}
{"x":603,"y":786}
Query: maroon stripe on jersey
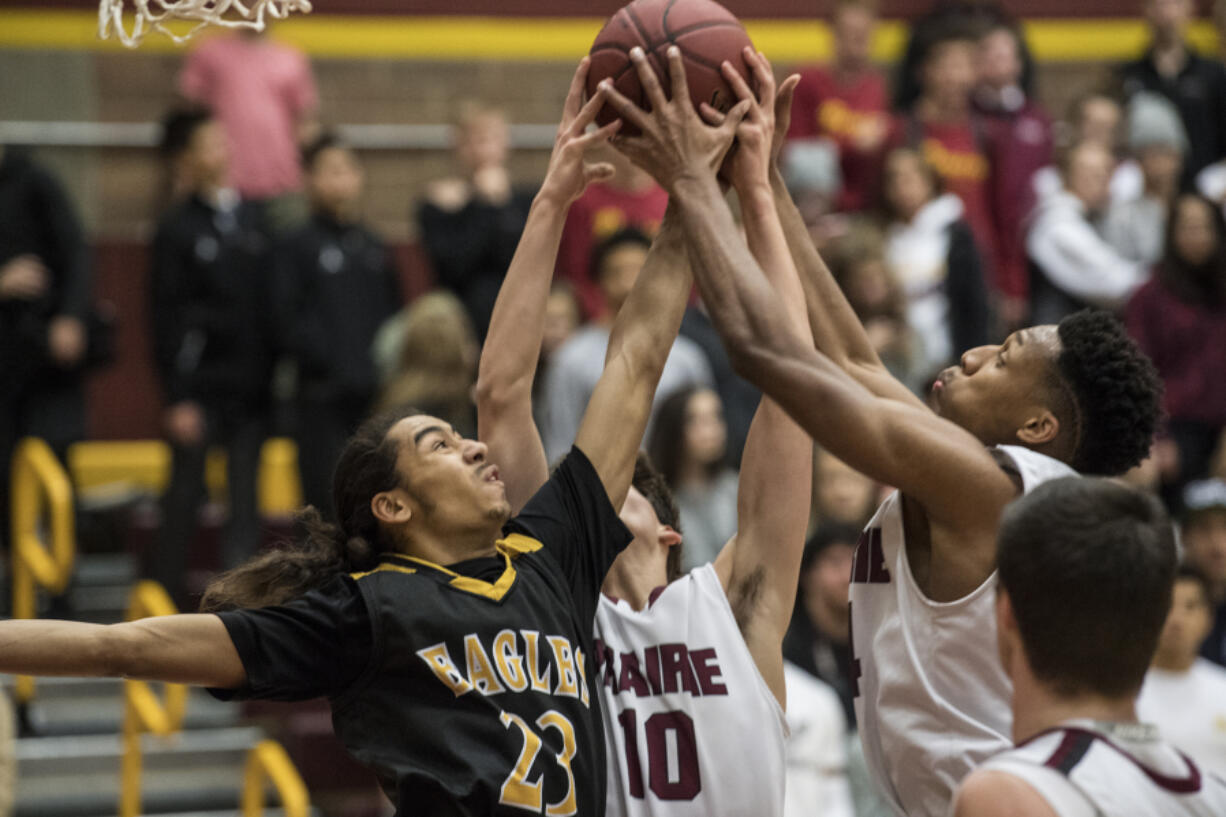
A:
{"x":1070,"y":751}
{"x":1077,"y":742}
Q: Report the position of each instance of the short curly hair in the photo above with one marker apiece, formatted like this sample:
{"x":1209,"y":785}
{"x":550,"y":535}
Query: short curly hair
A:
{"x":1116,"y":392}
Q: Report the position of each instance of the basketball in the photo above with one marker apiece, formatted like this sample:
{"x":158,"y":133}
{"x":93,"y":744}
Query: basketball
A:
{"x":706,"y":32}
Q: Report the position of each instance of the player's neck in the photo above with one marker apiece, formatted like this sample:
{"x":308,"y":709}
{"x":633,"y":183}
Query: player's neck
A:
{"x":634,"y":574}
{"x":448,"y":548}
{"x":1037,"y":708}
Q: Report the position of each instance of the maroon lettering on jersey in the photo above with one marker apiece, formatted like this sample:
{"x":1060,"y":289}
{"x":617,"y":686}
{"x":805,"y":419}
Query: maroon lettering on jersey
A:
{"x":652,"y":658}
{"x":869,"y":565}
{"x":674,"y":664}
{"x":606,"y":667}
{"x":631,"y":677}
{"x":706,"y":668}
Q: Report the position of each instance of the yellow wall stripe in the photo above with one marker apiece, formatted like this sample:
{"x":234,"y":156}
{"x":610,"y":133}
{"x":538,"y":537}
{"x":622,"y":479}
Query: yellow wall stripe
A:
{"x":564,"y":39}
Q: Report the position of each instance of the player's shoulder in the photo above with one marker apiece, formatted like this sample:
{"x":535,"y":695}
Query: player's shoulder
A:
{"x":1032,"y":467}
{"x":991,"y":792}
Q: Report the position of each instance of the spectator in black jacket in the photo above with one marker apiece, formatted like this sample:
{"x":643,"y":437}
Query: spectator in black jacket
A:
{"x":471,"y":223}
{"x":334,"y":284}
{"x":1195,"y":84}
{"x":211,"y":342}
{"x":45,"y":285}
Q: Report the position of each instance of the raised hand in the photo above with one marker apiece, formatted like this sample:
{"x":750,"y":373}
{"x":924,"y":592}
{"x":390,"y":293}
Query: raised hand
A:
{"x":568,"y":174}
{"x":675,"y":143}
{"x":783,"y":115}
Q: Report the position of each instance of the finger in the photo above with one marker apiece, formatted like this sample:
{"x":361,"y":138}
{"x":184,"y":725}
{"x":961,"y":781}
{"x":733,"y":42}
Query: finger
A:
{"x":676,"y":73}
{"x":713,"y":116}
{"x":599,"y":172}
{"x":739,"y":86}
{"x":648,"y":79}
{"x":574,"y":96}
{"x":736,"y":114}
{"x":762,"y":72}
{"x":587,"y":114}
{"x":783,"y":101}
{"x":625,"y":108}
{"x":600,"y":134}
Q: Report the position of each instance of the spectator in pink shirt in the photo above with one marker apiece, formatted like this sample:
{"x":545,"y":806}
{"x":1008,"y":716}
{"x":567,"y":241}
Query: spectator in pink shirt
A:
{"x":264,"y":95}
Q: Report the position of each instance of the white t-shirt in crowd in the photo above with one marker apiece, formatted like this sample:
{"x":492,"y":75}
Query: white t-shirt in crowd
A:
{"x":1190,"y":709}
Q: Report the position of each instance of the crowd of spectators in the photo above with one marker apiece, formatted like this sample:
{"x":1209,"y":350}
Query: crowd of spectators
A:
{"x":950,"y":206}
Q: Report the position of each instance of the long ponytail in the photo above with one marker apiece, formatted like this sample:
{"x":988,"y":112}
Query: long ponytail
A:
{"x":366,"y":466}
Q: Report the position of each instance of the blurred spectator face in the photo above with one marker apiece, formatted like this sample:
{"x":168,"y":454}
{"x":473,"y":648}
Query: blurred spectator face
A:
{"x":1187,"y":625}
{"x":207,"y":158}
{"x":1168,"y":19}
{"x":1089,"y":175}
{"x":869,"y":287}
{"x":1204,"y":542}
{"x":483,"y":140}
{"x":1000,"y":63}
{"x":948,"y":74}
{"x":1099,"y":121}
{"x":618,"y":271}
{"x":841,"y":493}
{"x":1161,"y":166}
{"x":1193,"y":232}
{"x":853,"y":26}
{"x":828,"y":578}
{"x":706,"y":434}
{"x":561,"y":319}
{"x":908,"y":184}
{"x":335,"y":180}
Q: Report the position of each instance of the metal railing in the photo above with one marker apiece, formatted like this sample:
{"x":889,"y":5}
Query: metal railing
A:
{"x":267,"y":760}
{"x":144,"y":711}
{"x":40,"y":490}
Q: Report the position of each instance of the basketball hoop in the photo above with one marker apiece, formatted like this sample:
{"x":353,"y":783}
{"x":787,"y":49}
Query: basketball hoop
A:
{"x":151,"y":15}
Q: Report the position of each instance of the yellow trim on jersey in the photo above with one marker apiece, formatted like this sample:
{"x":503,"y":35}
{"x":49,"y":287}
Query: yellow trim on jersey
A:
{"x":512,"y":547}
{"x":382,"y":567}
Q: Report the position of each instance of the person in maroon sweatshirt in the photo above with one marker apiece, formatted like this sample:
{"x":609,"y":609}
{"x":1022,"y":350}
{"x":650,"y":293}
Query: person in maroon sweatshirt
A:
{"x":846,"y":103}
{"x":1021,"y":140}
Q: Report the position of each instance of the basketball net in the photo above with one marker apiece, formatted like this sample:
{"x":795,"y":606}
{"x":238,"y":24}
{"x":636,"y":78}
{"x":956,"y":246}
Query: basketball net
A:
{"x":150,"y":15}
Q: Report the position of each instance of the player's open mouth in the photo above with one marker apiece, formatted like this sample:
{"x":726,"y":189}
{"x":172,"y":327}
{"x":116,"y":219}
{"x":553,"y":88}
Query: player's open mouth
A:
{"x":491,"y":474}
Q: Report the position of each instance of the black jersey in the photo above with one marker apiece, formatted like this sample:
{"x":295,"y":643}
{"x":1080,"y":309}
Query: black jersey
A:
{"x":468,"y":689}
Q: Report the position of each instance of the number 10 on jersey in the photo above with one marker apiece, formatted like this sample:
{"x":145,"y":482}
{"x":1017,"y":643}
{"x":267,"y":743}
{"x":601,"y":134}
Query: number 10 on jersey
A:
{"x":672,"y":755}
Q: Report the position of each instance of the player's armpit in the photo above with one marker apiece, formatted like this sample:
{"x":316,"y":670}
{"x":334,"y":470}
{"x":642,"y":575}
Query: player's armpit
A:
{"x":989,"y":793}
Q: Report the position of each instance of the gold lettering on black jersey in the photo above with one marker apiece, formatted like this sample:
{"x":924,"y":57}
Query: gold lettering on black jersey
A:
{"x":480,"y":669}
{"x":510,"y":663}
{"x":438,"y":659}
{"x":564,"y":662}
{"x":540,"y":683}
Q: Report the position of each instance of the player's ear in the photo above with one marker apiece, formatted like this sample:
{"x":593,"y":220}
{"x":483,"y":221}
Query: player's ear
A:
{"x":1041,"y":427}
{"x":1007,"y":634}
{"x":669,"y":537}
{"x":391,"y":507}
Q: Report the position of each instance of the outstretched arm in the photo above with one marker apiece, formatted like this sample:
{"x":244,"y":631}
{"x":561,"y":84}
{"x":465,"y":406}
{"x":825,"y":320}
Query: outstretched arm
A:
{"x":513,"y":344}
{"x":185,"y":649}
{"x":935,"y":462}
{"x":645,"y":328}
{"x":837,"y":331}
{"x":759,"y":567}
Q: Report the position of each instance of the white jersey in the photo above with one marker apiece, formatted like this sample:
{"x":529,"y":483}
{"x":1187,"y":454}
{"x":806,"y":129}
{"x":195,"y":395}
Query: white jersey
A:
{"x":932,"y":700}
{"x":690,"y":724}
{"x":1088,"y":769}
{"x":1191,"y":706}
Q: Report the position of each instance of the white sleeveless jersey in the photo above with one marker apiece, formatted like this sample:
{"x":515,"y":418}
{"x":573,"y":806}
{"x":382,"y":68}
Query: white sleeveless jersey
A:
{"x":932,"y":701}
{"x":1088,"y":769}
{"x":690,"y":725}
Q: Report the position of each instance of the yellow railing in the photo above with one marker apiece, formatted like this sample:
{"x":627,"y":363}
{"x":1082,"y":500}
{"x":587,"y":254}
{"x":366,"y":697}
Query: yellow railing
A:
{"x":143,"y":710}
{"x":40,"y":487}
{"x":268,"y":761}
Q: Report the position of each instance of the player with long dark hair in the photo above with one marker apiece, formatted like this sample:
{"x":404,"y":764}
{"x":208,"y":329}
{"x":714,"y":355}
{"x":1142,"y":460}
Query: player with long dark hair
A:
{"x":453,"y":642}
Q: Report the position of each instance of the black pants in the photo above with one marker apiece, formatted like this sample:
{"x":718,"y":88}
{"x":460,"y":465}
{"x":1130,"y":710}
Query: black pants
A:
{"x":322,"y":427}
{"x":241,"y":433}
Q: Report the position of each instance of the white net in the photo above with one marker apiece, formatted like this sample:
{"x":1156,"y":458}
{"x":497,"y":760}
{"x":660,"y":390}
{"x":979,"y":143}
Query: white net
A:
{"x":152,"y":15}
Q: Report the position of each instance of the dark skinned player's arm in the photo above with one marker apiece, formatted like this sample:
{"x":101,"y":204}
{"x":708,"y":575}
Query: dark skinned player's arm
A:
{"x":186,"y":649}
{"x":643,"y":333}
{"x":759,"y":567}
{"x":936,"y":463}
{"x":837,"y":332}
{"x":513,"y":343}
